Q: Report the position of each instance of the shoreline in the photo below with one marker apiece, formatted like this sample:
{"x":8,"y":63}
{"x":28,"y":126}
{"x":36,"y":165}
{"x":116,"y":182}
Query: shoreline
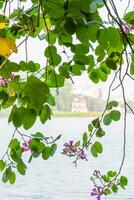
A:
{"x":76,"y":114}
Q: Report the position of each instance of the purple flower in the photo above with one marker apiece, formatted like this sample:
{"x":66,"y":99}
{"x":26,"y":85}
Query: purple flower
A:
{"x":83,"y":155}
{"x":96,"y":173}
{"x":25,"y":145}
{"x":70,"y":148}
{"x":97,"y":192}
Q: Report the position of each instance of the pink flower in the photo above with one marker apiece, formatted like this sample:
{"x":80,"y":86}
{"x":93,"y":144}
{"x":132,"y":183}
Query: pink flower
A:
{"x":127,"y":27}
{"x":97,"y":192}
{"x":25,"y":145}
{"x":70,"y":148}
{"x":4,"y":82}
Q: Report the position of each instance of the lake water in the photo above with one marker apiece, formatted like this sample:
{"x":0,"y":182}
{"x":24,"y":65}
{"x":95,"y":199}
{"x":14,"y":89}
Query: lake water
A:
{"x":57,"y":178}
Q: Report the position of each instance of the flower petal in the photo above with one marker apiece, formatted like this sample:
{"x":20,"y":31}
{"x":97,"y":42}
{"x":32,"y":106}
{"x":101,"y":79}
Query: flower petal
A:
{"x":2,"y":25}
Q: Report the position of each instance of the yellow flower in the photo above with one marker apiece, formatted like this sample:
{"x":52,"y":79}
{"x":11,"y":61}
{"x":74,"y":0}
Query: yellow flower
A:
{"x":7,"y":46}
{"x":2,"y":25}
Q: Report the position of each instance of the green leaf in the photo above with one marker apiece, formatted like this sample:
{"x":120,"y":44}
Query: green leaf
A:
{"x":112,"y":104}
{"x":65,"y":39}
{"x":23,"y":66}
{"x":129,"y":17}
{"x":51,"y":38}
{"x":90,"y":127}
{"x":108,"y":191}
{"x":81,"y":59}
{"x":30,"y":159}
{"x":114,"y":188}
{"x":45,"y":114}
{"x":55,"y":80}
{"x":12,"y":114}
{"x":18,"y":116}
{"x":55,"y":60}
{"x":94,"y":152}
{"x":29,"y":119}
{"x":85,"y":138}
{"x":16,"y":154}
{"x":37,"y":147}
{"x":12,"y":66}
{"x":84,"y":5}
{"x":21,"y":167}
{"x":46,"y":153}
{"x":53,"y":149}
{"x":94,"y":76}
{"x":15,"y":13}
{"x":51,"y":100}
{"x":96,"y":123}
{"x":36,"y":91}
{"x":114,"y":38}
{"x":92,"y":31}
{"x":54,"y":9}
{"x":77,"y":144}
{"x":103,"y":76}
{"x":80,"y":49}
{"x":106,"y":178}
{"x":123,"y":181}
{"x":1,"y":4}
{"x":96,"y":149}
{"x":70,"y":26}
{"x":14,"y":144}
{"x":12,"y":178}
{"x":132,"y":64}
{"x":102,"y":38}
{"x":4,"y":72}
{"x":77,"y":69}
{"x":111,"y":173}
{"x":107,"y":119}
{"x":100,"y":132}
{"x":2,"y":165}
{"x":111,"y":64}
{"x":115,"y":115}
{"x":82,"y":34}
{"x":6,"y":175}
{"x":38,"y":135}
{"x":33,"y":67}
{"x":50,"y":51}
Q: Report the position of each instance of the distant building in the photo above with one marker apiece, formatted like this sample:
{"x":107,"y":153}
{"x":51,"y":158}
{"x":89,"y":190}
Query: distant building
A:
{"x":79,"y":103}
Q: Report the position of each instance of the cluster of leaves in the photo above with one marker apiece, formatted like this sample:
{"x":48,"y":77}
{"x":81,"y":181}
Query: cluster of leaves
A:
{"x":112,"y":115}
{"x":94,"y":129}
{"x":37,"y":145}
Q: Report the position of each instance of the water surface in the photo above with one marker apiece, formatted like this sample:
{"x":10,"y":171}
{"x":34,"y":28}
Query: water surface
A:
{"x":57,"y":178}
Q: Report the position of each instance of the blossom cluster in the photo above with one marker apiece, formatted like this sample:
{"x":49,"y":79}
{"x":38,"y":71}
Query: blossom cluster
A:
{"x":71,"y":149}
{"x":97,"y":191}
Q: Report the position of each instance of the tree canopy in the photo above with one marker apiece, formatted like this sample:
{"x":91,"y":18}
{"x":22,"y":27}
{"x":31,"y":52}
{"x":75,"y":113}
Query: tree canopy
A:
{"x":100,"y":47}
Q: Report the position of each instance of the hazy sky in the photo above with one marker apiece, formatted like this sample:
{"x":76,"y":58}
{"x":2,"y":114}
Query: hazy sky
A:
{"x":36,"y":53}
